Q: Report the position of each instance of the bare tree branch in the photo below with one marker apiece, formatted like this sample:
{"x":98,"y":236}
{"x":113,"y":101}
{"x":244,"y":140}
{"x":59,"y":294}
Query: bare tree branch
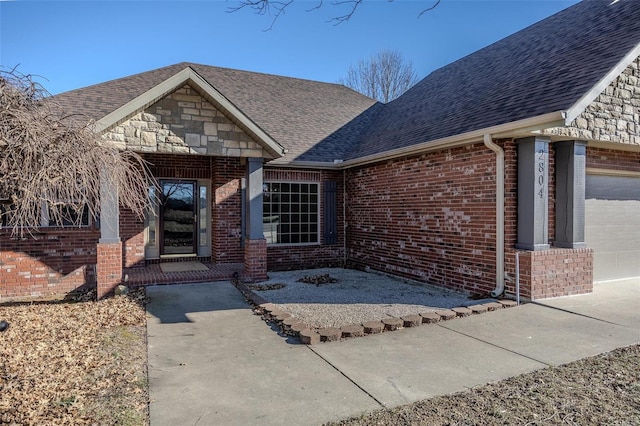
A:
{"x":51,"y":164}
{"x":273,"y":8}
{"x":276,"y":8}
{"x":344,"y":18}
{"x":429,"y":8}
{"x":384,"y":76}
{"x":318,"y":6}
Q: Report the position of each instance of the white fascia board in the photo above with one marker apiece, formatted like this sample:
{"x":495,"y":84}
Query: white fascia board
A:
{"x":306,"y":165}
{"x":579,"y":107}
{"x":147,"y":98}
{"x":172,"y":83}
{"x":476,"y":136}
{"x":274,"y":147}
{"x":617,"y":146}
{"x":503,"y":131}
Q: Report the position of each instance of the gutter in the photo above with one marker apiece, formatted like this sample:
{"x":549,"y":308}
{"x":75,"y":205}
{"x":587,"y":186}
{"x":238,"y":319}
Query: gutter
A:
{"x":488,"y":142}
{"x":525,"y":127}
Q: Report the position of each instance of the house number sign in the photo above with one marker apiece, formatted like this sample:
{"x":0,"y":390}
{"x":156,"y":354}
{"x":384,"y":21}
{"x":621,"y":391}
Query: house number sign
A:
{"x":541,"y":179}
{"x":533,"y":193}
{"x":541,"y":192}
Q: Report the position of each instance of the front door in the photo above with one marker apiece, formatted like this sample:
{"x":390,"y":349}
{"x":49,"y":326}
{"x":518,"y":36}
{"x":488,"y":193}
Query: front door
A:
{"x":178,"y":217}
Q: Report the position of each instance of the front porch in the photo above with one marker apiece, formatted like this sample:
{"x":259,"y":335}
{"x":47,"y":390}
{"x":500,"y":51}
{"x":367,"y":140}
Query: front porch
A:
{"x":207,"y":158}
{"x":153,"y":274}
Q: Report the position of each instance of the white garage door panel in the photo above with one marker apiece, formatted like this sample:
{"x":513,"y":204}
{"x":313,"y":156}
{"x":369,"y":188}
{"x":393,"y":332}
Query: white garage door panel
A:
{"x":612,"y":226}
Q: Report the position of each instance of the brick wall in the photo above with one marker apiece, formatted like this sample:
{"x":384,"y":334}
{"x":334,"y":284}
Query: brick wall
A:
{"x":289,"y":257}
{"x":610,"y":159}
{"x":225,"y":174}
{"x":132,"y":236}
{"x":430,"y":218}
{"x":108,"y":267}
{"x":255,"y":260}
{"x":50,"y":261}
{"x":227,"y":212}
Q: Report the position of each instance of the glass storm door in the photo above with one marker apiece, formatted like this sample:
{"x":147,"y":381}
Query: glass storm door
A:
{"x":178,"y":217}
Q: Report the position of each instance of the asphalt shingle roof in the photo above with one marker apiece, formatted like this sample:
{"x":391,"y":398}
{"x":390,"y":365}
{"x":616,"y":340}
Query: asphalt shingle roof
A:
{"x":296,"y":113}
{"x":544,"y":68}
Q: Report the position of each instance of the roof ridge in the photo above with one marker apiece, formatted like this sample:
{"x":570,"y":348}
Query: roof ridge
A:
{"x":266,"y":74}
{"x":115,"y":80}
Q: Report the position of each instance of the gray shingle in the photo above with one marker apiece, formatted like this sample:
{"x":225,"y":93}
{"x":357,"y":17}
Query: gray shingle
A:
{"x":544,"y":68}
{"x":296,"y":113}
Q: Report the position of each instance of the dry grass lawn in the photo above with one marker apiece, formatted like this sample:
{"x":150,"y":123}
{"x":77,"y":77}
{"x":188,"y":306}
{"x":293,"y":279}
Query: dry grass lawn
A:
{"x":86,"y":363}
{"x":74,"y":363}
{"x":600,"y":390}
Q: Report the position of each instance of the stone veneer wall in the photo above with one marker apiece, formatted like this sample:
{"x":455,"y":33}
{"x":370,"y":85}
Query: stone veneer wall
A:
{"x":615,"y":114}
{"x":184,"y":123}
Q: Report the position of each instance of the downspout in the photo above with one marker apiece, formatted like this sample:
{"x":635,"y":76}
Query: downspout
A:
{"x":488,"y":142}
{"x":344,"y":217}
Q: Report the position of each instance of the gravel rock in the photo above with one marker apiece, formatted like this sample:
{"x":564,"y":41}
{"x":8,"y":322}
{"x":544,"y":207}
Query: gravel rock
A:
{"x":355,"y":298}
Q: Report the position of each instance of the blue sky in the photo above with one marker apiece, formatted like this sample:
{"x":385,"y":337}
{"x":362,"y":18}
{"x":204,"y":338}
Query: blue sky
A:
{"x":73,"y":44}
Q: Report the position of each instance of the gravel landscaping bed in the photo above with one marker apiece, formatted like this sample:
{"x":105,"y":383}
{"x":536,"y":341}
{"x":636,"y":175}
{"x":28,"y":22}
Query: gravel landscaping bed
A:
{"x":354,"y":298}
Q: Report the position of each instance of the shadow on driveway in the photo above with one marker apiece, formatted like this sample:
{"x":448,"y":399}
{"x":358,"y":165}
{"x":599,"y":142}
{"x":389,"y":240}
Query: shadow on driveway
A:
{"x":178,"y":303}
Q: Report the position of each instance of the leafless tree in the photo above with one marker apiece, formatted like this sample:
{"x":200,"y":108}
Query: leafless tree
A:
{"x":385,"y":76}
{"x":51,"y":164}
{"x":277,"y":8}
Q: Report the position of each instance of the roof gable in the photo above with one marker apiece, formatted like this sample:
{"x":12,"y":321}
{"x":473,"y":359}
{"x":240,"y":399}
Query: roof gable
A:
{"x":612,"y":117}
{"x":585,"y":101}
{"x":192,"y":78}
{"x":296,"y":114}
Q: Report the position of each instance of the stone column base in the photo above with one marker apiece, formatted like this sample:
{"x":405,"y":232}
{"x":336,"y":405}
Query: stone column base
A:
{"x":255,"y":260}
{"x":554,"y":272}
{"x":108,"y":267}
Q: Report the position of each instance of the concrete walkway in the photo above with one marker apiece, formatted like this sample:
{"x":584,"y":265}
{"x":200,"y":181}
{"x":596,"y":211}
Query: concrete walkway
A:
{"x":212,"y":362}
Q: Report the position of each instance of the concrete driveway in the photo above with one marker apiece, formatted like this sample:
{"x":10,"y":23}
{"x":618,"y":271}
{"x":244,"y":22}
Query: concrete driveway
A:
{"x":213,"y":362}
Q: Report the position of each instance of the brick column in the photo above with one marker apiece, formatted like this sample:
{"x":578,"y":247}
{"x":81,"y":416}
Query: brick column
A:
{"x":109,"y":253}
{"x":255,"y":245}
{"x":555,"y":272}
{"x":109,"y":267}
{"x":255,"y":260}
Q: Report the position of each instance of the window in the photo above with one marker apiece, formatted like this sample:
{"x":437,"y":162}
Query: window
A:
{"x":67,"y":217}
{"x":290,"y":213}
{"x":5,"y":211}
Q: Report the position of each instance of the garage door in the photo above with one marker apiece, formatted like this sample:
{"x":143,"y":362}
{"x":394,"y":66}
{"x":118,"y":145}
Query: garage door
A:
{"x":612,"y":226}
